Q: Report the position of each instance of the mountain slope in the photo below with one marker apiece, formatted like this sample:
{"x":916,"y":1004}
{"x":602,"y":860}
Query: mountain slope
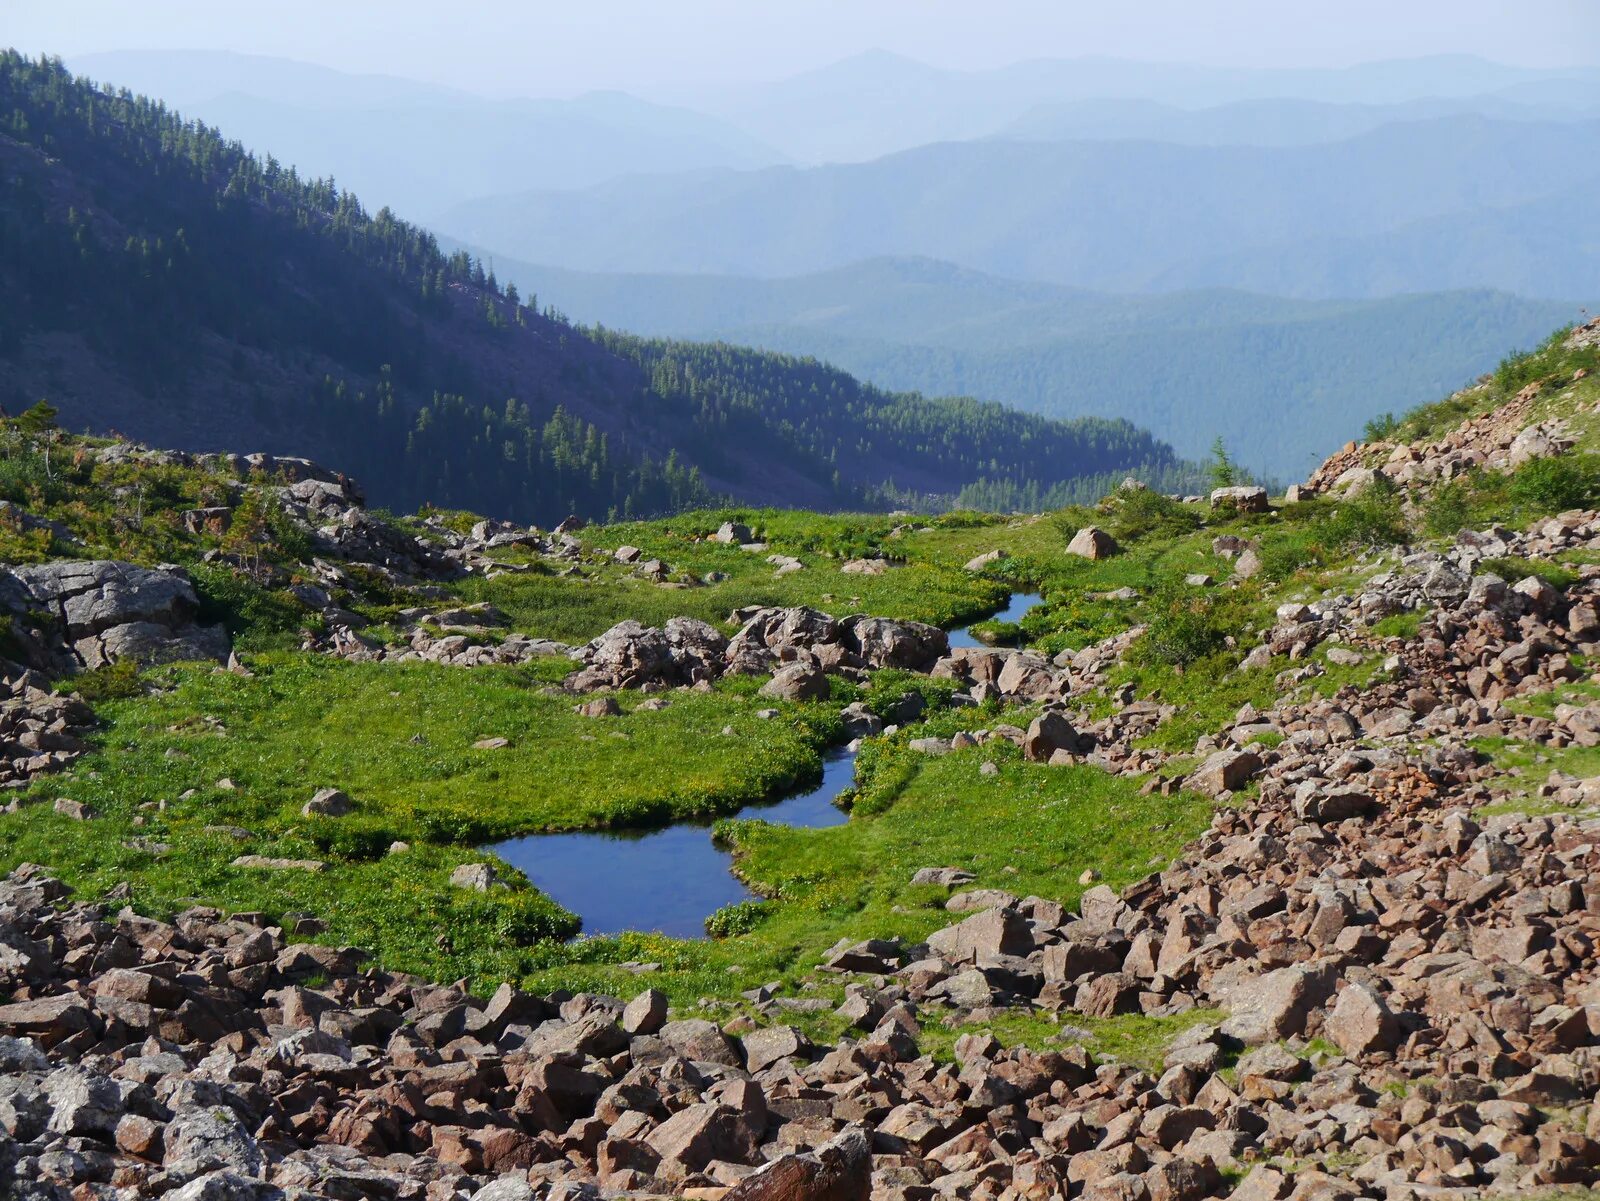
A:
{"x":1119,"y":216}
{"x":1279,"y":379}
{"x":164,"y":283}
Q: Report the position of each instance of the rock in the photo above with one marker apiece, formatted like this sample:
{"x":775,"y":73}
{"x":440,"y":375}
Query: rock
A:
{"x":1360,"y":1023}
{"x":601,"y":706}
{"x":991,"y":932}
{"x":47,"y":1019}
{"x":513,"y":1186}
{"x":838,"y":1170}
{"x":1243,"y":499}
{"x":1048,"y":733}
{"x":225,"y":1185}
{"x":771,"y":1044}
{"x":83,"y":1103}
{"x":979,"y":562}
{"x":1355,"y":481}
{"x":1109,"y":994}
{"x":944,"y":877}
{"x":109,"y":610}
{"x":734,"y":532}
{"x":1225,"y":771}
{"x":328,"y":802}
{"x":206,"y":1140}
{"x":864,"y":567}
{"x":693,"y":1137}
{"x":476,"y":877}
{"x":271,"y":864}
{"x":140,"y":1137}
{"x":1276,"y":1005}
{"x":880,"y":642}
{"x":797,"y":682}
{"x":1091,"y":542}
{"x":646,"y":1013}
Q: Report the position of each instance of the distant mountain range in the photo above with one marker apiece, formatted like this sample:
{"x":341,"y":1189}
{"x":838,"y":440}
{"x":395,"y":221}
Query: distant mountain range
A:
{"x":877,"y":103}
{"x":1279,"y":379}
{"x":1358,"y":217}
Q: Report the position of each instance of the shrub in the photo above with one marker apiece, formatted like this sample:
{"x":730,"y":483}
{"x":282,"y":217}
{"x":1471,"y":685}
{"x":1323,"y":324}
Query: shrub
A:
{"x":1556,"y":575}
{"x":1184,"y":626}
{"x":349,"y":838}
{"x":1552,"y":485}
{"x":1142,"y":512}
{"x":110,"y":682}
{"x":1368,"y":521}
{"x":1380,"y":428}
{"x":1282,"y":557}
{"x":1450,"y":510}
{"x":1517,"y":369}
{"x":741,"y":917}
{"x":239,"y":604}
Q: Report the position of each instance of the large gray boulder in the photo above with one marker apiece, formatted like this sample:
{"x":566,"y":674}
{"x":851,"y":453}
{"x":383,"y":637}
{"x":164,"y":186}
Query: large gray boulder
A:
{"x":882,"y":642}
{"x":109,"y":611}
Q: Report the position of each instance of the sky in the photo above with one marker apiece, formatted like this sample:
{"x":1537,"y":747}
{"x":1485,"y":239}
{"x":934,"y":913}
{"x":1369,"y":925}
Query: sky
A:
{"x":534,"y":47}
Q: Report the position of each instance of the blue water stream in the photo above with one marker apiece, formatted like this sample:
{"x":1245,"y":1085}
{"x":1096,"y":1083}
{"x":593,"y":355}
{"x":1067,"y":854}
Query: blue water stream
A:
{"x":669,"y":880}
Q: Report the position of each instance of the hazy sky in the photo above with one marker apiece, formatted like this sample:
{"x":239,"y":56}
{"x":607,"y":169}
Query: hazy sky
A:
{"x":533,"y":47}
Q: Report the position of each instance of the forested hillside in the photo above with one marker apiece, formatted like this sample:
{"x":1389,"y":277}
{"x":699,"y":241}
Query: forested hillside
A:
{"x":1280,"y":380}
{"x":160,"y":280}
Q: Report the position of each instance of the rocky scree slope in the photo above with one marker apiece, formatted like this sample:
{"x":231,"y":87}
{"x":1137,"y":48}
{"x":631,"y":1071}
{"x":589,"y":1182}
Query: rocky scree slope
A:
{"x":1407,"y":1000}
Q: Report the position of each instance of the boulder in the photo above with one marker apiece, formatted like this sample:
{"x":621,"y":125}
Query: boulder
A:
{"x":1276,"y":1005}
{"x":991,"y":932}
{"x":693,"y":1137}
{"x":1091,"y":542}
{"x":1241,"y":498}
{"x":1225,"y":771}
{"x":476,"y":877}
{"x":797,"y":682}
{"x":839,"y":1170}
{"x":1361,"y":1023}
{"x":1048,"y":733}
{"x":328,"y":802}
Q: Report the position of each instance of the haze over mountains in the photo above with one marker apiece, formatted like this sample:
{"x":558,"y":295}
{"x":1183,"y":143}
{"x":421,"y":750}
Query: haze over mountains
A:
{"x":1275,"y":255}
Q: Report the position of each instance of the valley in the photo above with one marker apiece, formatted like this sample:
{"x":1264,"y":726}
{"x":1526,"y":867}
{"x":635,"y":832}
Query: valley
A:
{"x":893,"y":632}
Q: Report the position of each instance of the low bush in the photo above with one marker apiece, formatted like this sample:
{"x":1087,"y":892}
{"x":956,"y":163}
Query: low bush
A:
{"x":741,"y":917}
{"x":1184,"y":625}
{"x":1369,"y":521}
{"x":110,"y":682}
{"x":1143,"y":512}
{"x":1554,"y":485}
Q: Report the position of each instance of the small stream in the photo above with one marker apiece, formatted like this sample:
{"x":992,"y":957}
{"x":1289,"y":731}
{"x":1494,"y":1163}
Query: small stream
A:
{"x":669,"y":880}
{"x":1019,"y":604}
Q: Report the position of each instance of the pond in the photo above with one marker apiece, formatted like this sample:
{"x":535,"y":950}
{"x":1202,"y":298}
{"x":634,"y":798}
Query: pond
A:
{"x":667,"y":880}
{"x":1019,"y":604}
